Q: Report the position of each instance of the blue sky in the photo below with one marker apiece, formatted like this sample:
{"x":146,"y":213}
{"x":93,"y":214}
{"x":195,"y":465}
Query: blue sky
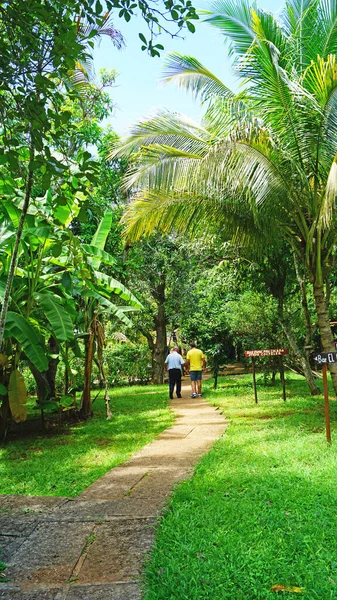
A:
{"x":139,"y":91}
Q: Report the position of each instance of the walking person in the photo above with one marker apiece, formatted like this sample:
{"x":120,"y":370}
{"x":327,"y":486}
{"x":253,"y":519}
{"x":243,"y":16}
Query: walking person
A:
{"x":195,"y":363}
{"x":173,"y":364}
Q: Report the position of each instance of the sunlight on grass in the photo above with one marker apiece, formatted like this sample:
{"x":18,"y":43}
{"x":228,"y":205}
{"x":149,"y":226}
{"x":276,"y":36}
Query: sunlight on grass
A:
{"x":261,"y":508}
{"x":65,"y":464}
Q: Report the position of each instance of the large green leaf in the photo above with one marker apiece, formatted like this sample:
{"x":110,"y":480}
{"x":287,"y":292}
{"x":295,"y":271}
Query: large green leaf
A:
{"x":13,"y":212}
{"x":100,"y":237}
{"x":2,"y":289}
{"x":118,"y":288}
{"x":57,"y":316}
{"x":65,"y":213}
{"x":17,"y":396}
{"x":20,"y":329}
{"x":96,"y":253}
{"x":110,"y":308}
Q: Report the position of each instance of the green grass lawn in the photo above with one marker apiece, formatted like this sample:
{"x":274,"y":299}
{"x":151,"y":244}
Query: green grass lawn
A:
{"x":261,"y":509}
{"x":65,"y":464}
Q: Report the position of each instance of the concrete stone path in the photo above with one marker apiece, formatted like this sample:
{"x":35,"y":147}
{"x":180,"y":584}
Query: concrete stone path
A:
{"x":92,"y":547}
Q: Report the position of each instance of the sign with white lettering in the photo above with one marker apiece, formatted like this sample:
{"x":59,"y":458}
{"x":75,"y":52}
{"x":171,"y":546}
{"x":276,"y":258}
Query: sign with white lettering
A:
{"x":271,"y":352}
{"x":325,"y":358}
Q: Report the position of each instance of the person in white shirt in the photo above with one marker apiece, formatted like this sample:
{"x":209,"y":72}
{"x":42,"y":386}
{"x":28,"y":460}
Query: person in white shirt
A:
{"x":173,"y":366}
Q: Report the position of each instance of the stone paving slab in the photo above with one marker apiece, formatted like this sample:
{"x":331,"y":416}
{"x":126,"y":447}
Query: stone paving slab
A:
{"x":99,"y":510}
{"x":127,"y":591}
{"x":207,"y":432}
{"x":49,"y":554}
{"x":117,"y":483}
{"x":20,"y":526}
{"x":29,"y":504}
{"x":31,"y":594}
{"x":109,"y":559}
{"x":8,"y":545}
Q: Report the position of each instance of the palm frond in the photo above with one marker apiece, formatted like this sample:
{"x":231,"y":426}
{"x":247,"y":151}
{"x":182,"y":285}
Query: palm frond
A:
{"x":106,"y":29}
{"x":188,"y":73}
{"x":165,"y":129}
{"x":326,"y":28}
{"x":234,"y":21}
{"x":328,"y":204}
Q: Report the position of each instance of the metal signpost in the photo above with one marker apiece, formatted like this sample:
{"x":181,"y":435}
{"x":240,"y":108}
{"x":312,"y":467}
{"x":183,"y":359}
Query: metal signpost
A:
{"x":272,"y":352}
{"x":324,"y":359}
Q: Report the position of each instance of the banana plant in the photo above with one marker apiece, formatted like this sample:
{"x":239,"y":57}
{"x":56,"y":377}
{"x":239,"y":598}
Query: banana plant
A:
{"x":96,"y":290}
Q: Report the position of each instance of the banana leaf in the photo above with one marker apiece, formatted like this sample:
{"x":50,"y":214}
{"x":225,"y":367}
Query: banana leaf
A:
{"x":100,"y":237}
{"x":57,"y":316}
{"x":20,"y":329}
{"x":17,"y":396}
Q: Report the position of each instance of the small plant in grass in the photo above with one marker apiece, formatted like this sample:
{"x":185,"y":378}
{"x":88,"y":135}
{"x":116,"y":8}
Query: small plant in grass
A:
{"x":3,"y":577}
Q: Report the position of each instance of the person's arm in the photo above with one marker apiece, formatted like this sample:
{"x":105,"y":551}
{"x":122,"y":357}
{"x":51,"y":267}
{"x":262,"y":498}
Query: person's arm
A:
{"x":187,"y":365}
{"x":165,"y":365}
{"x":204,"y":363}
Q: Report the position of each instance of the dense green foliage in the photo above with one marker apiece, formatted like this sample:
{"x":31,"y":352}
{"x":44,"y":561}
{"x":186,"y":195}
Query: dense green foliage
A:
{"x":260,"y":169}
{"x":260,"y":508}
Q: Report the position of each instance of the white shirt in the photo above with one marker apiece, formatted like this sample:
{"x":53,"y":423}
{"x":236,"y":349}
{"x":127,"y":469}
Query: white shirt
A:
{"x":174,"y":360}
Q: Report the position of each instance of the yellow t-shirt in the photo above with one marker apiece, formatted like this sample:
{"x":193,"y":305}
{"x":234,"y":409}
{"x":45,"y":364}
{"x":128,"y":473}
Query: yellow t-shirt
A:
{"x":195,"y":356}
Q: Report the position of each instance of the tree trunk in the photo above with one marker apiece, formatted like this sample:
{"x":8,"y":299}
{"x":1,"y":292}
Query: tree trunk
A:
{"x":53,"y":364}
{"x":325,"y":328}
{"x":86,"y":410}
{"x":303,"y":289}
{"x":45,"y":380}
{"x":67,"y":379}
{"x":303,"y":361}
{"x":44,"y":392}
{"x":160,"y":346}
{"x":4,"y":414}
{"x":14,"y":257}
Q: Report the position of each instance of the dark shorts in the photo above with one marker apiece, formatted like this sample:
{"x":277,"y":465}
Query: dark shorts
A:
{"x":196,"y":375}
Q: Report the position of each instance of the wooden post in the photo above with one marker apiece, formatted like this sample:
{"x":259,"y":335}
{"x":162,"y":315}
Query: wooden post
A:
{"x":326,"y":403}
{"x":283,"y":379}
{"x":254,"y":379}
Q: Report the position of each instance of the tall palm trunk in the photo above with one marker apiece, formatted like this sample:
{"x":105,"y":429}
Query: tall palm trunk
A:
{"x":325,"y":328}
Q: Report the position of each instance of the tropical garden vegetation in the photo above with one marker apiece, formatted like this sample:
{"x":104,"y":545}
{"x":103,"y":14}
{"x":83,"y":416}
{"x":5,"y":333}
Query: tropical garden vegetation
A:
{"x":222,"y":231}
{"x":229,"y":236}
{"x":260,"y":170}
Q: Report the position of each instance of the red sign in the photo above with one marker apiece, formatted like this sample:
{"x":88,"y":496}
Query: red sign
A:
{"x":271,"y":352}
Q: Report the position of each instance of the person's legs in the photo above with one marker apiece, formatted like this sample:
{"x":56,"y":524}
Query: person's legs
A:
{"x":193,"y":382}
{"x":199,"y":382}
{"x":178,"y":383}
{"x":171,"y":382}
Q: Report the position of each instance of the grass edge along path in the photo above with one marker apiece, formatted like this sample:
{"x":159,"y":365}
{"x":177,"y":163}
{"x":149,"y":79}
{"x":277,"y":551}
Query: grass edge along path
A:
{"x":64,"y":464}
{"x":261,"y":509}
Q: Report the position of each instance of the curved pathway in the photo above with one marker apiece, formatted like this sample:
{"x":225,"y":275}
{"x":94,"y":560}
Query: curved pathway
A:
{"x":92,"y":547}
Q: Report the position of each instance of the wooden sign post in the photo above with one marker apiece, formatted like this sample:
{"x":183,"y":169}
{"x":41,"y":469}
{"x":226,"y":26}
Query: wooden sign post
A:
{"x":272,"y":352}
{"x":324,"y":359}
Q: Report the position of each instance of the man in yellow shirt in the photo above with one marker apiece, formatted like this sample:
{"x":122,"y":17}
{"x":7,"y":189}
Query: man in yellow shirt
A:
{"x":195,"y":363}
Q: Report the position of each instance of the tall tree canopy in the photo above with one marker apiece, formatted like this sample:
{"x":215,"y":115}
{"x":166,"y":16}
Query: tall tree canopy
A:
{"x":263,"y":163}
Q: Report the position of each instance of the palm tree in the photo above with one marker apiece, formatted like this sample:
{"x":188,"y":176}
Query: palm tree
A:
{"x":264,"y":160}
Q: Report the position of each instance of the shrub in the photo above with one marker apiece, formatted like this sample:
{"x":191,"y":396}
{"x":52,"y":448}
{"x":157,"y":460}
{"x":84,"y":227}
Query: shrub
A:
{"x":127,"y":363}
